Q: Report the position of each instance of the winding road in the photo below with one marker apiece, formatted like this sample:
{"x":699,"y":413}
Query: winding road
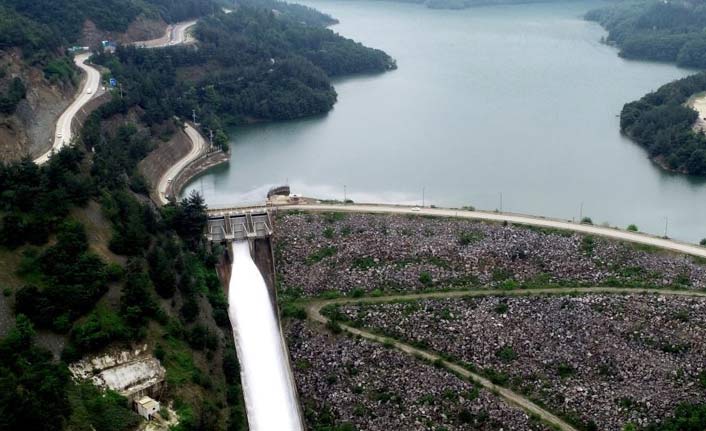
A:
{"x":176,"y":34}
{"x":63,"y":134}
{"x":198,"y":147}
{"x":314,"y":307}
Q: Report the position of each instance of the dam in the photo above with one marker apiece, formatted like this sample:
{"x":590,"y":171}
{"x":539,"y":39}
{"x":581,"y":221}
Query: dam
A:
{"x":268,"y":385}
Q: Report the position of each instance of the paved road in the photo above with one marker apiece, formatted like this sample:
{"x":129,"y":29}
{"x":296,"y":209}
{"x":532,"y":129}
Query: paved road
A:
{"x":176,"y":34}
{"x":314,"y":307}
{"x":198,"y":147}
{"x":62,"y":133}
{"x":614,"y":233}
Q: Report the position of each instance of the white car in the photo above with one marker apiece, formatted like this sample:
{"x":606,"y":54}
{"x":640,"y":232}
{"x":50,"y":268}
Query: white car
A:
{"x":89,"y":91}
{"x":415,"y":209}
{"x":58,"y":135}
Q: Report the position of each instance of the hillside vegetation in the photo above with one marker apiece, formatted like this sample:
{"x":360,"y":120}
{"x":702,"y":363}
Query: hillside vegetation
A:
{"x":657,"y":30}
{"x":154,"y":282}
{"x":662,"y":124}
{"x":660,"y":121}
{"x":249,"y":65}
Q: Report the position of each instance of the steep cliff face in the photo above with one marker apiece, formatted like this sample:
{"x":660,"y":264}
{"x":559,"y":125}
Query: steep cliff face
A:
{"x":30,"y":128}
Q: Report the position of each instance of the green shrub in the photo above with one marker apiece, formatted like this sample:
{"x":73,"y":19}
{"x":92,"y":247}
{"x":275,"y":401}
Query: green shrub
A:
{"x":506,"y":354}
{"x":565,"y":370}
{"x":364,"y":263}
{"x":467,"y":238}
{"x":501,"y":308}
{"x":588,"y":244}
{"x":294,"y":311}
{"x":633,"y":228}
{"x":320,"y":255}
{"x":328,"y":232}
{"x":425,"y":278}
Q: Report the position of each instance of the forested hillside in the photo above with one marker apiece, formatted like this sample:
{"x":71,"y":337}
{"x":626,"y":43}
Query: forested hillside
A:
{"x":41,"y":25}
{"x":662,"y":124}
{"x":38,"y":78}
{"x":657,"y":30}
{"x":249,"y":65}
{"x":660,"y":121}
{"x":98,"y":266}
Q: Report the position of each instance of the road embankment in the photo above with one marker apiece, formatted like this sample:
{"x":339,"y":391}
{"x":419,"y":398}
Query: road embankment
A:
{"x":160,"y":160}
{"x":607,"y":232}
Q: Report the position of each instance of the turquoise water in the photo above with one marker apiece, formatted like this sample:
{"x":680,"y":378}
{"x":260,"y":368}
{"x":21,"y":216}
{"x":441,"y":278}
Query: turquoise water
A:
{"x":513,"y":103}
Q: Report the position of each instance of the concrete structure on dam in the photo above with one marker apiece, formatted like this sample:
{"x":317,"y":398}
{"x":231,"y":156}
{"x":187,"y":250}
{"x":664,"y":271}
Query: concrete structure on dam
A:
{"x":249,"y":275}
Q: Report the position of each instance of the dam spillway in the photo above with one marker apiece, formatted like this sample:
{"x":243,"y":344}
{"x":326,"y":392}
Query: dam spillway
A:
{"x":268,"y":386}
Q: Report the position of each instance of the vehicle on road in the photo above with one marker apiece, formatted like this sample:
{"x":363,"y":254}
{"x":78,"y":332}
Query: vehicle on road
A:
{"x":89,"y":91}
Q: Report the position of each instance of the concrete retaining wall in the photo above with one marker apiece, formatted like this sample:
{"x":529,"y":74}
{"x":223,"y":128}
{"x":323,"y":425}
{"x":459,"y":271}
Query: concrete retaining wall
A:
{"x":195,"y":168}
{"x":156,"y":164}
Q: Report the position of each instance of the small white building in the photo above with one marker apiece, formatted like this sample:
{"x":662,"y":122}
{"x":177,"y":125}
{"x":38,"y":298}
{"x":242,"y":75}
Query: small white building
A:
{"x":147,"y":407}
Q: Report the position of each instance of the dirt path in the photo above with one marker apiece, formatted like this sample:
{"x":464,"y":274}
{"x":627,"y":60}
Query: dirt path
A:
{"x":314,"y":307}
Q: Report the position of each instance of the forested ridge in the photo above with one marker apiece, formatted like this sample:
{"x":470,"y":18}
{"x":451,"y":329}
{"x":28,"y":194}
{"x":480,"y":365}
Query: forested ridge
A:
{"x":662,"y":124}
{"x":660,"y":121}
{"x":249,"y":65}
{"x":657,"y":30}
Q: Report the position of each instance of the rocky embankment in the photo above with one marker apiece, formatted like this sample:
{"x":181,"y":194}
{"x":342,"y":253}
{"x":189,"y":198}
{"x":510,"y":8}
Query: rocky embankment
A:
{"x":605,"y":359}
{"x":31,"y":128}
{"x":357,"y":253}
{"x":373,"y":388}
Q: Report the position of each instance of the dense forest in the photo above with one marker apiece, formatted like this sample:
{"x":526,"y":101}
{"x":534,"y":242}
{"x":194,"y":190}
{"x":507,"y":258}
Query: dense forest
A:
{"x":662,"y":124}
{"x":162,"y":284}
{"x":292,"y":11}
{"x":660,"y":121}
{"x":268,"y":61}
{"x":657,"y":30}
{"x":250,"y":65}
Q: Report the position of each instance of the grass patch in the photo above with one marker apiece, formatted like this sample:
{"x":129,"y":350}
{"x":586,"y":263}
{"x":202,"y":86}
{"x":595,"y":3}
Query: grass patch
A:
{"x":321,"y":254}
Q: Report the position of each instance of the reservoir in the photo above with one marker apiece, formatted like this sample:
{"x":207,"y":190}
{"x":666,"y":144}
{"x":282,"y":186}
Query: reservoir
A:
{"x":501,"y":107}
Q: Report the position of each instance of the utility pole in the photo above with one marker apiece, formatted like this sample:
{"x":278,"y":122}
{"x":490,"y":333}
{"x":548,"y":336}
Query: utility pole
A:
{"x":423,"y":197}
{"x":581,"y":212}
{"x":193,"y":115}
{"x":345,"y":198}
{"x":121,"y":90}
{"x":501,"y":201}
{"x":210,"y":138}
{"x":666,"y":226}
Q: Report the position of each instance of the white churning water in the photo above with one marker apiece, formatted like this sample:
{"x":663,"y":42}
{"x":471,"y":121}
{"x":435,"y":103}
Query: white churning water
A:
{"x":269,"y":390}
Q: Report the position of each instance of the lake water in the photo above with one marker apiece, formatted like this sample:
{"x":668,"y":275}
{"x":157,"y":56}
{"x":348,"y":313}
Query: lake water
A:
{"x":504,"y":106}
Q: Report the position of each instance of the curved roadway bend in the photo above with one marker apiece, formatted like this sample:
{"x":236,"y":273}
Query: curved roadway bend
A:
{"x":175,"y":34}
{"x":62,"y":133}
{"x":314,"y":308}
{"x":198,"y":147}
{"x":614,"y":233}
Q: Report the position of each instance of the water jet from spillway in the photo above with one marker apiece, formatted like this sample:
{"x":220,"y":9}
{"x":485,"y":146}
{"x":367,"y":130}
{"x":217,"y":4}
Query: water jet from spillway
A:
{"x":270,"y":395}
